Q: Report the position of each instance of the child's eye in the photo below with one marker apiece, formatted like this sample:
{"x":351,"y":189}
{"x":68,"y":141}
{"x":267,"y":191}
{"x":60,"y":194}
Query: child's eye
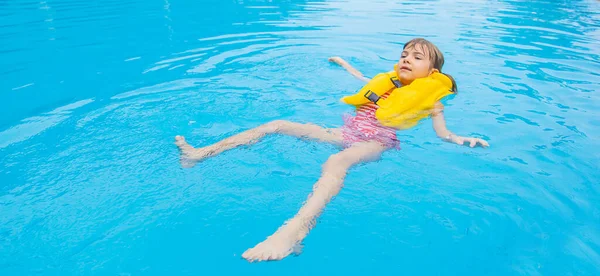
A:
{"x":419,"y":58}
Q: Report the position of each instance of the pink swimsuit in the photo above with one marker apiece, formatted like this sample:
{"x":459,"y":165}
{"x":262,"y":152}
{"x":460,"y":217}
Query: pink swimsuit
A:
{"x":365,"y":127}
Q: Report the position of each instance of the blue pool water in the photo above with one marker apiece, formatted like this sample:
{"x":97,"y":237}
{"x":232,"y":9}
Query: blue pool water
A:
{"x":93,"y":92}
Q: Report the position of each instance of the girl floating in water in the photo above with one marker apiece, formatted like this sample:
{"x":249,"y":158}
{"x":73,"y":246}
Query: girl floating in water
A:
{"x":390,"y":101}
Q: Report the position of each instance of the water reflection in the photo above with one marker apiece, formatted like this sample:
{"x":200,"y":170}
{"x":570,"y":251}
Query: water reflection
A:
{"x":90,"y":39}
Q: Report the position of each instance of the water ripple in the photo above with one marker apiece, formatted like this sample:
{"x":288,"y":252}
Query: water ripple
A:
{"x":93,"y":93}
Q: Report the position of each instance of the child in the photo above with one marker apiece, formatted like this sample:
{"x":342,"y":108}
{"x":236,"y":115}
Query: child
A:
{"x":362,"y":137}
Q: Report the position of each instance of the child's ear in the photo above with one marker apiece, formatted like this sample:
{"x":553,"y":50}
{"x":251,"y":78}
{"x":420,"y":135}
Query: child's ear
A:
{"x":434,"y":71}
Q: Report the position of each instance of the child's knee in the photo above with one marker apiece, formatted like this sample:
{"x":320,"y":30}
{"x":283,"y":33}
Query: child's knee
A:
{"x":275,"y":126}
{"x":336,"y":164}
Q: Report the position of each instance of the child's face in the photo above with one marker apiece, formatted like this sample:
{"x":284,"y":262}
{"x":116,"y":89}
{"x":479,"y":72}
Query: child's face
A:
{"x":414,"y":63}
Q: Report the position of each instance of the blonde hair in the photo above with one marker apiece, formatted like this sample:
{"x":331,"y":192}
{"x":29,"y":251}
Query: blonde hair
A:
{"x":433,"y":52}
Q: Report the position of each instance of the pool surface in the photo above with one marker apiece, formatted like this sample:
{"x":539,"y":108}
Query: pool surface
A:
{"x":92,"y":94}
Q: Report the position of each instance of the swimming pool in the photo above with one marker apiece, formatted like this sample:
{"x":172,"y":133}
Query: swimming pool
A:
{"x":92,"y":95}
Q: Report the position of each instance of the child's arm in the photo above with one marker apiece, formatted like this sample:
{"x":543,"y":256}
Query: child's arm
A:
{"x":439,"y":125}
{"x":357,"y":74}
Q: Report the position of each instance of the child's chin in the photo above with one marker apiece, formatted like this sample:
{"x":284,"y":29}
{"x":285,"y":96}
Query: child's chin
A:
{"x":405,"y":78}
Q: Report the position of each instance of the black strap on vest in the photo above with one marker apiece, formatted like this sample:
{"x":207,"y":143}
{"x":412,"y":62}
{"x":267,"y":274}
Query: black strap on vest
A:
{"x":396,"y":82}
{"x":374,"y":98}
{"x":371,"y":96}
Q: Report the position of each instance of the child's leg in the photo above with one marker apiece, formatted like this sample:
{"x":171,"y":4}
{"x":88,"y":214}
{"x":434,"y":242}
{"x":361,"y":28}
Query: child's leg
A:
{"x":190,"y":155}
{"x":291,"y":234}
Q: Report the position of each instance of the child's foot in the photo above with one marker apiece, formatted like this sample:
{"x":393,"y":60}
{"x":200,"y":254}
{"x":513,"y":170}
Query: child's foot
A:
{"x":274,"y":248}
{"x":189,"y":155}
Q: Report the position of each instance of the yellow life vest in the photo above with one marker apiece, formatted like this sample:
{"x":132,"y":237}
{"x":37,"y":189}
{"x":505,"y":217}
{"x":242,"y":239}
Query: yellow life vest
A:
{"x":405,"y":106}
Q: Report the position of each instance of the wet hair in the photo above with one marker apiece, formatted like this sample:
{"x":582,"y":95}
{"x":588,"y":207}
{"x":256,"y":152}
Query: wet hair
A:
{"x":454,"y":88}
{"x":435,"y":56}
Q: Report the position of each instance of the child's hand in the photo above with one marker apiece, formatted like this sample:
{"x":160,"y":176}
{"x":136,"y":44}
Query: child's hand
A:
{"x":337,"y":60}
{"x":341,"y":62}
{"x":472,"y":141}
